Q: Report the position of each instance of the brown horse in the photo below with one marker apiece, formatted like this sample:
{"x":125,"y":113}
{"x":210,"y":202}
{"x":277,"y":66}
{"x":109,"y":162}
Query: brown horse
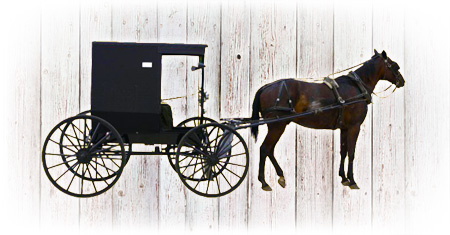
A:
{"x":290,"y":96}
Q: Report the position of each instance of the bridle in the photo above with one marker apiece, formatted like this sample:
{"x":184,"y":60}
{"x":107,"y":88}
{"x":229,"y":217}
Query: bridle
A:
{"x":396,"y":74}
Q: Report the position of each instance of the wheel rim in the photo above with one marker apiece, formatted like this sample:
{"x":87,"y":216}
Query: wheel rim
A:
{"x":214,"y":154}
{"x":87,"y":160}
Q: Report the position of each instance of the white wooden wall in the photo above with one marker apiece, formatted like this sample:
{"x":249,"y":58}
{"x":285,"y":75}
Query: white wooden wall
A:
{"x":402,"y":158}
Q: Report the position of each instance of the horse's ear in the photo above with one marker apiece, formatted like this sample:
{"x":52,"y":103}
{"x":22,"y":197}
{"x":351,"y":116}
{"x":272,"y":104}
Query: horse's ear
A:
{"x":384,"y":54}
{"x":376,"y":52}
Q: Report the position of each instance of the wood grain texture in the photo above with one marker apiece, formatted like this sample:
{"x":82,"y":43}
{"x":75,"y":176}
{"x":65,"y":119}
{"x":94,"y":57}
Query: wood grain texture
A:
{"x":353,"y":45}
{"x":402,"y":166}
{"x":202,"y":214}
{"x":388,"y":125}
{"x":60,"y":100}
{"x":95,"y":25}
{"x":172,"y":28}
{"x":21,"y":123}
{"x":273,"y":39}
{"x":136,"y":194}
{"x":314,"y":147}
{"x":234,"y":98}
{"x":426,"y":118}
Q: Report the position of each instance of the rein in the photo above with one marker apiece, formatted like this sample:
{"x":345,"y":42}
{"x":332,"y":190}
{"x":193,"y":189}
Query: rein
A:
{"x":377,"y":94}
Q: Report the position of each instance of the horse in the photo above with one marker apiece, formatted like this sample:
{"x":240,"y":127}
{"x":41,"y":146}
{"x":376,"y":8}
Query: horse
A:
{"x":290,"y":96}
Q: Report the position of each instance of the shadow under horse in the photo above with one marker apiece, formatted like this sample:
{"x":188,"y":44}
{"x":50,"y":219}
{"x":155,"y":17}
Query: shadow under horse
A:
{"x":290,"y":96}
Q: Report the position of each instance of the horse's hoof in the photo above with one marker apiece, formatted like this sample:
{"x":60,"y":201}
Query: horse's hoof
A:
{"x":267,"y":188}
{"x":354,"y":186}
{"x":346,"y":182}
{"x":282,"y":182}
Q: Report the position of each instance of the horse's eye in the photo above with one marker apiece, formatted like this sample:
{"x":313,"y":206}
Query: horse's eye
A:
{"x":389,"y":65}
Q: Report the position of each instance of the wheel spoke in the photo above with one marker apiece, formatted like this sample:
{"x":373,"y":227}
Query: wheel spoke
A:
{"x":189,"y":164}
{"x":234,"y":164}
{"x":217,"y":179}
{"x":93,"y":135}
{"x":104,"y":166}
{"x":61,"y":164}
{"x":100,"y":141}
{"x":227,"y":148}
{"x":185,"y":167}
{"x":221,"y":172}
{"x":196,"y":149}
{"x":89,"y":171}
{"x":95,"y":156}
{"x":73,"y":178}
{"x":60,"y":154}
{"x":75,"y":133}
{"x":98,"y":173}
{"x":229,"y":170}
{"x":62,"y":145}
{"x":82,"y":178}
{"x":111,"y":159}
{"x":73,"y":137}
{"x":201,"y":168}
{"x":229,"y":156}
{"x":76,"y":163}
{"x":209,"y":176}
{"x":73,"y":145}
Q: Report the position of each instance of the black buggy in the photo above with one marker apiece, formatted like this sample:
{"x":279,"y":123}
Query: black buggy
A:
{"x":85,"y":155}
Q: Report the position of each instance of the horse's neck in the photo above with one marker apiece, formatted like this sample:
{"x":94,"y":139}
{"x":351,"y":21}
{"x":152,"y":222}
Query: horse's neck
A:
{"x":369,"y":74}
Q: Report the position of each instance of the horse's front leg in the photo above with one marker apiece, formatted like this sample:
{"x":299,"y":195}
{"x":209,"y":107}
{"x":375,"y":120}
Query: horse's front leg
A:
{"x":344,"y":181}
{"x":352,"y":137}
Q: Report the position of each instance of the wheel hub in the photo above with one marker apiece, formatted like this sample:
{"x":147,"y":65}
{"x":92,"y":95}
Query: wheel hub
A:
{"x":213,"y":160}
{"x":83,"y":156}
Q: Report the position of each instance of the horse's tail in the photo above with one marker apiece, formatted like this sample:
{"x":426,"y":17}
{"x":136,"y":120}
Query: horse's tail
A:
{"x":255,"y":113}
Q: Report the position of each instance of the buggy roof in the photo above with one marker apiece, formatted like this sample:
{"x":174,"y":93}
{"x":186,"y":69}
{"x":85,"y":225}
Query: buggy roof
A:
{"x":165,"y":48}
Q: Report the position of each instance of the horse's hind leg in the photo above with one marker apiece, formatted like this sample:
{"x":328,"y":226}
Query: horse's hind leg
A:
{"x":273,"y":135}
{"x":344,"y":181}
{"x":278,"y":169}
{"x":351,"y":142}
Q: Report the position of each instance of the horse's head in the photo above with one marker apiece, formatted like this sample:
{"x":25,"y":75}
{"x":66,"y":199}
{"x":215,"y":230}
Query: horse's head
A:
{"x":391,"y":69}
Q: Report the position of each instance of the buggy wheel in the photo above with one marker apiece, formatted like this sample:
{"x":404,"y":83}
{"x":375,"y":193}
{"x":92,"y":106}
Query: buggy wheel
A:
{"x":125,"y":139}
{"x":212,"y":160}
{"x":83,"y":156}
{"x":190,"y":122}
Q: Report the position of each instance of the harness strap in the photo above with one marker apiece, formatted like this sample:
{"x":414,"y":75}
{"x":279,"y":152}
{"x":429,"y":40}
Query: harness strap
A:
{"x":332,"y":84}
{"x":283,"y":86}
{"x":361,"y":87}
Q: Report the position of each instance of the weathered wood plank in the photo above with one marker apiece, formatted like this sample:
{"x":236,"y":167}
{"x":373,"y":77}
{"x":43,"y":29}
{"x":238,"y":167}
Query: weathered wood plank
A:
{"x":172,"y":26}
{"x":273,"y":56}
{"x":314,"y":147}
{"x":388,"y":126}
{"x":136,"y":194}
{"x":21,"y":130}
{"x":95,"y":25}
{"x":203,"y":28}
{"x":427,"y":134}
{"x":234,"y":98}
{"x":60,"y":100}
{"x":353,"y":45}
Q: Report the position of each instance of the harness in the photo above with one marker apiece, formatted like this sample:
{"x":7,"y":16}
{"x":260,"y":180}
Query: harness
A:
{"x":276,"y":107}
{"x":333,"y":85}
